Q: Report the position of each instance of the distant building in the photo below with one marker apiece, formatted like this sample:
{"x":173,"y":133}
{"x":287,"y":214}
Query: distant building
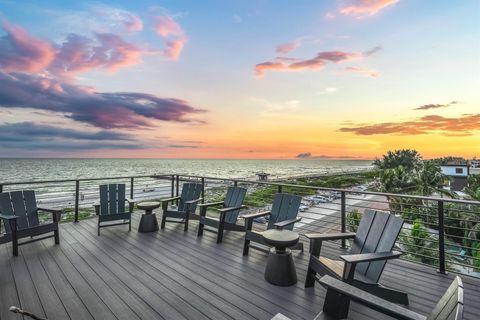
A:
{"x":475,"y":163}
{"x":458,"y":173}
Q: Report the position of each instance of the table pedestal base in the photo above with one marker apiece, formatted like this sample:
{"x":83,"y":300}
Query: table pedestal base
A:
{"x":148,"y":223}
{"x":280,"y":268}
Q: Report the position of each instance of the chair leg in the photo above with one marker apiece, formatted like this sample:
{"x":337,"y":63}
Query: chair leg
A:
{"x":98,"y":228}
{"x":310,"y":280}
{"x":246,"y":247}
{"x":57,"y":236}
{"x":200,"y":229}
{"x":130,"y":224}
{"x":336,"y":305}
{"x":14,"y":239}
{"x":164,"y":219}
{"x":185,"y":228}
{"x":220,"y":233}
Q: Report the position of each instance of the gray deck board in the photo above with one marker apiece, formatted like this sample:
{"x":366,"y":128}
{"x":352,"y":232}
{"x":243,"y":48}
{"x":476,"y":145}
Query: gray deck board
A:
{"x":171,"y":274}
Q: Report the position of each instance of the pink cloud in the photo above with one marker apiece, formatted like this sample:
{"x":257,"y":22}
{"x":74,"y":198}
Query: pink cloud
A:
{"x":165,"y":26}
{"x":288,"y":47}
{"x":107,"y":51}
{"x":22,"y":52}
{"x":361,"y":8}
{"x":134,"y":24}
{"x":269,"y":65}
{"x":464,"y":125}
{"x":316,"y":63}
{"x":360,"y":70}
{"x":174,"y":49}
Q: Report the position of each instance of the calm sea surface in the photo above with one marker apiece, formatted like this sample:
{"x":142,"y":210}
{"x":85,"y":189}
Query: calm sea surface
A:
{"x":55,"y":169}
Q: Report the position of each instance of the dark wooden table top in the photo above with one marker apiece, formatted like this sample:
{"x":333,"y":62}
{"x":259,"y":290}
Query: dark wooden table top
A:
{"x":280,"y":238}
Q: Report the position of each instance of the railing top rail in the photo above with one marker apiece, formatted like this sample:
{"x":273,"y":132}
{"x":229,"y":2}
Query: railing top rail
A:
{"x":9,"y":183}
{"x":157,"y":176}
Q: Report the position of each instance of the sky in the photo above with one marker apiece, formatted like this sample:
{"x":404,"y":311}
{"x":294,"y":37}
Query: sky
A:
{"x":259,"y":79}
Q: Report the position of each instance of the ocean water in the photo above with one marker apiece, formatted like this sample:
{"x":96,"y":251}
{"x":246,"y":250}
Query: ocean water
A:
{"x":13,"y":170}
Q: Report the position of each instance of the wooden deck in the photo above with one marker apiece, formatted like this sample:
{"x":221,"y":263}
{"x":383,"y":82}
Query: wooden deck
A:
{"x":174,"y":275}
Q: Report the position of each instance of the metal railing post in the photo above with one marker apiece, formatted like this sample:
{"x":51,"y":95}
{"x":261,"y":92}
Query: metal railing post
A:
{"x":177,"y":186}
{"x":343,"y":209}
{"x":203,"y":190}
{"x":131,"y":187}
{"x":441,"y":239}
{"x":173,"y":186}
{"x":1,"y":187}
{"x":77,"y":194}
{"x":279,"y":189}
{"x":235,"y":183}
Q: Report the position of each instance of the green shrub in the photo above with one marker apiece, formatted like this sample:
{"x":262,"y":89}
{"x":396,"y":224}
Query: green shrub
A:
{"x":353,"y":220}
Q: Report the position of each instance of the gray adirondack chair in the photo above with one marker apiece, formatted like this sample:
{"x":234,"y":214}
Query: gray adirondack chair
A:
{"x":283,"y":215}
{"x":112,"y":207}
{"x":371,"y":249}
{"x":229,"y":211}
{"x":19,"y":212}
{"x":339,"y":294}
{"x":187,"y":204}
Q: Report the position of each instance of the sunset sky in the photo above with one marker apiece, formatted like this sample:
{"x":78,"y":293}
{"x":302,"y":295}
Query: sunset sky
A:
{"x":272,"y":79}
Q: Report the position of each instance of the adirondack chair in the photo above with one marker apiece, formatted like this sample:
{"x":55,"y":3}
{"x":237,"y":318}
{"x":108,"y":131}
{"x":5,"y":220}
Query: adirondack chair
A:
{"x":230,"y":208}
{"x":112,"y":207}
{"x":19,"y":212}
{"x":339,"y":294}
{"x":187,"y":204}
{"x":371,"y":249}
{"x":283,"y":215}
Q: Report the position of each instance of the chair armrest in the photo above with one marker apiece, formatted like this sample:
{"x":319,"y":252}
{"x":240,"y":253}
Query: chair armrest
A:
{"x":329,"y":236}
{"x":129,"y":200}
{"x":51,"y":210}
{"x":370,"y":257}
{"x":210,"y":204}
{"x":193,"y":201}
{"x":256,"y":215}
{"x":284,"y":223}
{"x":170,"y":199}
{"x":369,"y":300}
{"x":56,"y":213}
{"x":225,"y":210}
{"x":5,"y":217}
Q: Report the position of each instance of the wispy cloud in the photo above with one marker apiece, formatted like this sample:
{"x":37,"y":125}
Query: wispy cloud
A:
{"x":461,"y":126}
{"x":365,"y":8}
{"x":34,"y":136}
{"x":167,"y":28}
{"x":22,"y":52}
{"x":316,"y":63}
{"x":436,"y":106}
{"x":367,"y":72}
{"x":289,"y":46}
{"x":83,"y":104}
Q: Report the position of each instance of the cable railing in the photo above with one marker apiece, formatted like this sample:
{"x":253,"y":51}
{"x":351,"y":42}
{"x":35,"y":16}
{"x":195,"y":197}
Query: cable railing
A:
{"x":439,"y":232}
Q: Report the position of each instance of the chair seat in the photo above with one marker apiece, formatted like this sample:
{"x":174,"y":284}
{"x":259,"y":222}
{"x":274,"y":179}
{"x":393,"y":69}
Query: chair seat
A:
{"x":113,"y":217}
{"x":337,"y":267}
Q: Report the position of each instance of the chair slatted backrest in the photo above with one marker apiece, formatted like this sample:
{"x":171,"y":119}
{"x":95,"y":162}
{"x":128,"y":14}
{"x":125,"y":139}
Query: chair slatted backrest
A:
{"x":450,"y":306}
{"x":190,"y":191}
{"x":377,"y":232}
{"x":233,"y":199}
{"x":21,"y":204}
{"x":285,"y":207}
{"x":112,"y":199}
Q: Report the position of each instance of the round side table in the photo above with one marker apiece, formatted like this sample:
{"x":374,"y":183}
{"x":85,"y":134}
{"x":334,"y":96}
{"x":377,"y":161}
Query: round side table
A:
{"x":148,"y":222}
{"x":280,"y":268}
